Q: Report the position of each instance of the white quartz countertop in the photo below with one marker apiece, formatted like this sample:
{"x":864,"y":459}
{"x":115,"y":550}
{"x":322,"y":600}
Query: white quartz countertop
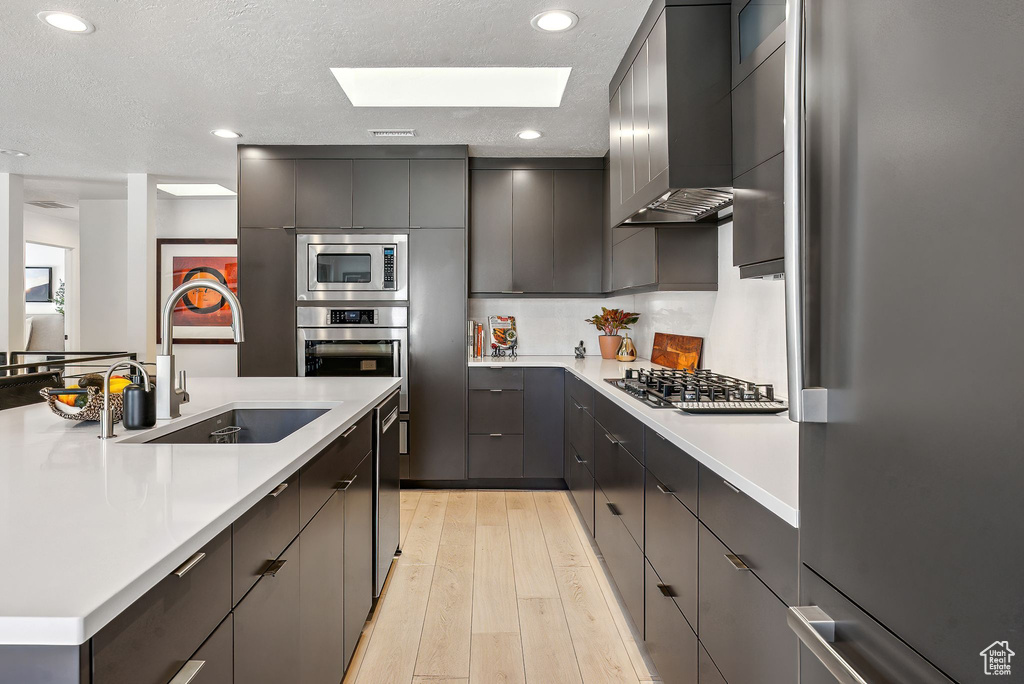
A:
{"x":759,"y":454}
{"x":88,"y":526}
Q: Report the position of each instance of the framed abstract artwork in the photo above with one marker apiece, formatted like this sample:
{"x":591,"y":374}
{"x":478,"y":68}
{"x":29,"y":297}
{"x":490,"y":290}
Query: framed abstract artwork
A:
{"x":201,"y":316}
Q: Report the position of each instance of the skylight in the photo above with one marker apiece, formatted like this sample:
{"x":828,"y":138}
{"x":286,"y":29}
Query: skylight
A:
{"x":195,"y":189}
{"x":453,"y":86}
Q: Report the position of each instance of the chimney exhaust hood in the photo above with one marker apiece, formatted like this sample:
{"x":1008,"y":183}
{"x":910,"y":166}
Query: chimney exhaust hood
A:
{"x":670,"y":118}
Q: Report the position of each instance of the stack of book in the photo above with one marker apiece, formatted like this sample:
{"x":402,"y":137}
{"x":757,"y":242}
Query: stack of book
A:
{"x":477,"y":335}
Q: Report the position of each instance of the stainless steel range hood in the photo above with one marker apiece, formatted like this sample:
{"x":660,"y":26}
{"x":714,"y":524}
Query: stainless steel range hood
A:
{"x":670,"y":118}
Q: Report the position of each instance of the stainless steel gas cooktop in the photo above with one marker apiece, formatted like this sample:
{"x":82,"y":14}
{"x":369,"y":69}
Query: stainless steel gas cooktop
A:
{"x":698,"y":391}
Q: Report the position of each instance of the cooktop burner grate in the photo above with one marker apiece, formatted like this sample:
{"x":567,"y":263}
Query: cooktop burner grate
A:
{"x":698,"y":391}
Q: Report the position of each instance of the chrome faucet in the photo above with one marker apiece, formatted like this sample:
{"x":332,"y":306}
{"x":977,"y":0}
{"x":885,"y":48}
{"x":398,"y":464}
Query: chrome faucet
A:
{"x":106,"y":415}
{"x":168,"y":396}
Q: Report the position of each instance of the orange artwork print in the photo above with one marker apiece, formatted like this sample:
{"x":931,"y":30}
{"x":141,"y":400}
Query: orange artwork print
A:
{"x":204,"y":306}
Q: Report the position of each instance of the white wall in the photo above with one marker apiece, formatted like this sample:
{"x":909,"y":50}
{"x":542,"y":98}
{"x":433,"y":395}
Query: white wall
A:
{"x":103,"y":232}
{"x":44,"y":255}
{"x":53,"y":231}
{"x":743,"y":324}
{"x":201,"y":218}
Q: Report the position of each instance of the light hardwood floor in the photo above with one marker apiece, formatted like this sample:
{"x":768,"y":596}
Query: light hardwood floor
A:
{"x":496,"y":587}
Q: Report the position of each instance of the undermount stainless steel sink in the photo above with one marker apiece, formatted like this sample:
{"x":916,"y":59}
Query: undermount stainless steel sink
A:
{"x":243,"y":426}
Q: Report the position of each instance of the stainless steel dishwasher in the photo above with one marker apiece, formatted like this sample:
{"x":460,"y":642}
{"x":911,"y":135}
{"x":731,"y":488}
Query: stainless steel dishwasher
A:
{"x":387,"y":489}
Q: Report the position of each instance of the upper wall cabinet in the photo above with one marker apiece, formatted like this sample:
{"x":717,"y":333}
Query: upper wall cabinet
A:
{"x":758,"y":101}
{"x":536,"y":229}
{"x":380,"y":193}
{"x":437,"y":193}
{"x":266,"y":193}
{"x":323,"y":193}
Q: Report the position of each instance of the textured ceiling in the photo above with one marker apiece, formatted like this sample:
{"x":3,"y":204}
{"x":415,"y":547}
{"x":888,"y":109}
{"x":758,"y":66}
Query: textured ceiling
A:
{"x":142,"y":93}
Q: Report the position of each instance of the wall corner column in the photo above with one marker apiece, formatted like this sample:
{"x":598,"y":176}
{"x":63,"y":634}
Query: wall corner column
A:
{"x":12,"y":269}
{"x":141,"y":267}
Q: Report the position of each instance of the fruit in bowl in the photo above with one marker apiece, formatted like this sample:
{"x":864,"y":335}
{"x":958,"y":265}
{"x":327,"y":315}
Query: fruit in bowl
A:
{"x":117,"y":385}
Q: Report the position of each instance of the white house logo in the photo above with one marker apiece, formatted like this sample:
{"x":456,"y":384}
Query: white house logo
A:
{"x":997,"y":658}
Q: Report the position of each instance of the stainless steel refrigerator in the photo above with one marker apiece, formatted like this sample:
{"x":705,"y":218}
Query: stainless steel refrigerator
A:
{"x":905,"y":307}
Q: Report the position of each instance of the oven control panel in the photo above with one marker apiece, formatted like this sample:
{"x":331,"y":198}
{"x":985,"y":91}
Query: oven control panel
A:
{"x":389,"y":268}
{"x":352,"y":317}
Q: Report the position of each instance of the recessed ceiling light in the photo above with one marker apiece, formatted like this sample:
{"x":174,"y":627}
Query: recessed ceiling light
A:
{"x":454,"y":86}
{"x":529,"y":134}
{"x":225,"y":133}
{"x":14,"y":153}
{"x":554,"y":21}
{"x":195,"y":189}
{"x":66,"y":21}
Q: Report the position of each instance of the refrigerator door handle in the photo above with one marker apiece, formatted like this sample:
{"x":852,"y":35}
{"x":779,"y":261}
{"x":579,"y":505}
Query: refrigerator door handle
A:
{"x":817,"y":631}
{"x":806,"y":405}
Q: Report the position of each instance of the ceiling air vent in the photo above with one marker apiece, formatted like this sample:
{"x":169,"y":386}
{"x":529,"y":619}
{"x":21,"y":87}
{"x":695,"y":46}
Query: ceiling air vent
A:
{"x":392,"y":132}
{"x":45,"y":204}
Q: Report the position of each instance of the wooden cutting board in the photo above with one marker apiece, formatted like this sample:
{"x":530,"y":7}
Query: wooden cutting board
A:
{"x":677,"y":351}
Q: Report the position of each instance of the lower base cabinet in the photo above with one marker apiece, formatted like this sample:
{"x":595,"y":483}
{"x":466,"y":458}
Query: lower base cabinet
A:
{"x":214,"y":658}
{"x":267,"y":623}
{"x":707,"y":671}
{"x":742,"y":623}
{"x":671,"y":643}
{"x":322,"y":600}
{"x":625,"y":560}
{"x":358,"y":552}
{"x":581,"y":485}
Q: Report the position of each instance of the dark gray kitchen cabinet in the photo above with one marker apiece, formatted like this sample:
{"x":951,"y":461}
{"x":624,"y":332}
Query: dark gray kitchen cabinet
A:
{"x":707,"y":671}
{"x":266,"y":289}
{"x":152,"y":638}
{"x":323,"y":193}
{"x":496,"y":378}
{"x":532,"y":230}
{"x":757,"y":119}
{"x":490,"y":240}
{"x":681,"y":258}
{"x":668,"y":636}
{"x":216,"y":655}
{"x":495,"y":456}
{"x":359,"y":559}
{"x":266,"y":193}
{"x":319,"y":478}
{"x":672,"y":467}
{"x":495,"y":411}
{"x":543,"y":422}
{"x":625,"y":560}
{"x":757,"y":216}
{"x":758,"y":30}
{"x":635,"y":260}
{"x":622,"y":480}
{"x":322,"y":595}
{"x":437,"y":193}
{"x":623,"y":428}
{"x":380,"y":193}
{"x":260,"y":535}
{"x":581,"y":486}
{"x":578,"y":220}
{"x":670,"y":531}
{"x":437,"y":354}
{"x":268,"y":623}
{"x":742,"y":624}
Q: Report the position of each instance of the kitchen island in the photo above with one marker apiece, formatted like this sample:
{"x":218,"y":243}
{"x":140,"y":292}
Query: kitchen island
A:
{"x":96,"y":524}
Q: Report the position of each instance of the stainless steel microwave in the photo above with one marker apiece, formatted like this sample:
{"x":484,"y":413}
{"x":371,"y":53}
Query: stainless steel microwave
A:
{"x":351,"y":266}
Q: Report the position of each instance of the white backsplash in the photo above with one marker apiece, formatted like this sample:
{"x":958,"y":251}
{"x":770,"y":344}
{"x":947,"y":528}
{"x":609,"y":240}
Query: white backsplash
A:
{"x":743,"y":324}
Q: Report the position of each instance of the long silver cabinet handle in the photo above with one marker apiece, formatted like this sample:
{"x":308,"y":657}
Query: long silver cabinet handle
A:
{"x":389,"y":421}
{"x":345,"y":484}
{"x":348,"y":432}
{"x":817,"y":631}
{"x":578,"y":459}
{"x":192,"y":562}
{"x":276,"y":491}
{"x":188,"y":672}
{"x":495,"y":434}
{"x":664,"y":490}
{"x":737,"y":562}
{"x":274,"y":568}
{"x":806,"y":405}
{"x":496,"y":391}
{"x":610,"y":438}
{"x":731,"y":486}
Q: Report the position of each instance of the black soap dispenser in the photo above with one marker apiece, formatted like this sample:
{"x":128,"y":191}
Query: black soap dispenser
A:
{"x":139,"y":406}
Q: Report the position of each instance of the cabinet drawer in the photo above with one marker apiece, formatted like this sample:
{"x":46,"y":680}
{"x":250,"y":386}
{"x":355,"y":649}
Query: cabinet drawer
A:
{"x":267,"y":625}
{"x":319,"y":478}
{"x":499,"y":411}
{"x":495,"y":456}
{"x":742,"y":624}
{"x":625,"y":560}
{"x":765,"y":542}
{"x":496,"y":378}
{"x":673,"y":467}
{"x":622,"y":480}
{"x":669,"y":638}
{"x":670,"y":544}
{"x":581,"y":430}
{"x":707,"y":671}
{"x":216,"y":656}
{"x":580,"y":392}
{"x":757,"y":114}
{"x":261,"y":534}
{"x":627,"y":430}
{"x":152,"y":638}
{"x":581,"y":484}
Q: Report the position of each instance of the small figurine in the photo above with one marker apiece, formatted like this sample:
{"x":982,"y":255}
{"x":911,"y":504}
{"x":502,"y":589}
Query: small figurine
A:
{"x":581,"y":351}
